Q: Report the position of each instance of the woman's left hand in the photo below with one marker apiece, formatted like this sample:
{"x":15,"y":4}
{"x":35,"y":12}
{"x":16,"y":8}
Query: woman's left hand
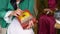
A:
{"x":30,"y":24}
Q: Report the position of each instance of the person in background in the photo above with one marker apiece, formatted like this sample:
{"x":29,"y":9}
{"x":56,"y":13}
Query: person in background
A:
{"x":47,"y":23}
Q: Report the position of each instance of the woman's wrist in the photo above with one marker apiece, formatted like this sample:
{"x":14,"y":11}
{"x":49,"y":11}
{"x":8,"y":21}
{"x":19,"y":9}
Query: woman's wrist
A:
{"x":11,"y":14}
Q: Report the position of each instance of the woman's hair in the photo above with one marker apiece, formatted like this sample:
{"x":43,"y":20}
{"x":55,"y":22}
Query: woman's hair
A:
{"x":13,"y":3}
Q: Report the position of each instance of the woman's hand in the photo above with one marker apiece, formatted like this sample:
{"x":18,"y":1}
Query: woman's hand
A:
{"x":48,"y":10}
{"x":16,"y":13}
{"x":30,"y":24}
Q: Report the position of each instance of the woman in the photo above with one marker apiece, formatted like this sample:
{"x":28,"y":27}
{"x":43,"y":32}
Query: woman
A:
{"x":16,"y":7}
{"x":46,"y":22}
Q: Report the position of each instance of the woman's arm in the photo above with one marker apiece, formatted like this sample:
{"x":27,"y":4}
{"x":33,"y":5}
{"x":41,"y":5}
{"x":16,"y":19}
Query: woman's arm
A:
{"x":5,"y":9}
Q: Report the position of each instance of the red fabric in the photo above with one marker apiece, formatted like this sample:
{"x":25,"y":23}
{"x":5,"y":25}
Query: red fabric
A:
{"x":46,"y":24}
{"x":52,"y":4}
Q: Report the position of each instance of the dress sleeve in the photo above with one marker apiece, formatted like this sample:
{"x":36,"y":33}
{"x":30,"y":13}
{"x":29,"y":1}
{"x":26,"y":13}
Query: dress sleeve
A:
{"x":6,"y":16}
{"x":3,"y":11}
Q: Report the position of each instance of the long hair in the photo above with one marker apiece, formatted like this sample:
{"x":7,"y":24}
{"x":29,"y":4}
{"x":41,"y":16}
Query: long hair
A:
{"x":13,"y":3}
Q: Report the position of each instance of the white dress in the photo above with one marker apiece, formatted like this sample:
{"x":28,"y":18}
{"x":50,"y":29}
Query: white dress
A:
{"x":15,"y":28}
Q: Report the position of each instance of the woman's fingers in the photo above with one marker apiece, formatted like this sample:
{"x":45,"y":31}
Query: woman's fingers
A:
{"x":16,"y":15}
{"x":17,"y":12}
{"x":30,"y":24}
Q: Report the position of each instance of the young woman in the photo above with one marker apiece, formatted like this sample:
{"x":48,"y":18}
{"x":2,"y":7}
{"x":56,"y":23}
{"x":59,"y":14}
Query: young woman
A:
{"x":16,"y":7}
{"x":46,"y":20}
{"x":47,"y":23}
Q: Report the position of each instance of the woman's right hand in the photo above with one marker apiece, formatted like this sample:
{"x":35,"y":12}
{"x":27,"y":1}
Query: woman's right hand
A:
{"x":16,"y":13}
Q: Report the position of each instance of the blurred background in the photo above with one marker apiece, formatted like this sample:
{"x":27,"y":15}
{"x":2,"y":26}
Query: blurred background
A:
{"x":38,"y":6}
